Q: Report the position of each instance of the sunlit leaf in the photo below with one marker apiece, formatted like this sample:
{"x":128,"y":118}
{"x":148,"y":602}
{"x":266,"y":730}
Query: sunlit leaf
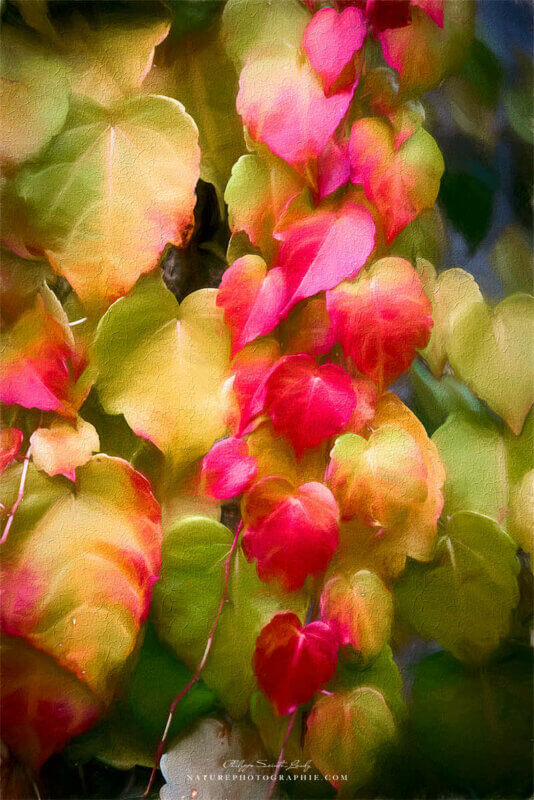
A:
{"x":174,"y":362}
{"x":111,"y":191}
{"x":75,"y":635}
{"x":330,"y":41}
{"x":62,"y":447}
{"x":34,"y":95}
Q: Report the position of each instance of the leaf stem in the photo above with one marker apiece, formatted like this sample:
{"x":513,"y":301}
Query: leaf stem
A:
{"x":196,"y":676}
{"x":20,"y":495}
{"x":282,"y":751}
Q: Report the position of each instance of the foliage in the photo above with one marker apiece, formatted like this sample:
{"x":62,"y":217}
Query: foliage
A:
{"x":214,"y":500}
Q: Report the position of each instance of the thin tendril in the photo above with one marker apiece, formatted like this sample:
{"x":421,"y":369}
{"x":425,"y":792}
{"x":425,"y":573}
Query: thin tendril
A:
{"x":20,"y":495}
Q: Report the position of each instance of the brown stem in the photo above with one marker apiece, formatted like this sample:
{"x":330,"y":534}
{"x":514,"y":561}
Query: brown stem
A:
{"x":196,"y":676}
{"x":20,"y":495}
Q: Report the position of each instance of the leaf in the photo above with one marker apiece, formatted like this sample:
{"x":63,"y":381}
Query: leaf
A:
{"x":109,"y":53}
{"x":62,"y":447}
{"x":453,"y":293}
{"x":130,"y":734}
{"x":464,"y":598}
{"x":293,"y":662}
{"x":186,"y":599}
{"x":205,"y":81}
{"x":214,"y":747}
{"x":475,"y":459}
{"x":275,"y":28}
{"x":276,"y":456}
{"x":307,"y":403}
{"x":400,"y":182}
{"x":521,"y":520}
{"x":381,"y":318}
{"x":347,"y":734}
{"x":475,"y":727}
{"x":10,"y":443}
{"x":39,"y":361}
{"x":28,"y":73}
{"x":282,"y":104}
{"x":259,"y":190}
{"x":272,"y":730}
{"x":511,"y":260}
{"x":250,"y":367}
{"x":330,"y":41}
{"x":228,"y":469}
{"x":424,"y":53}
{"x":382,"y":673}
{"x":73,"y":637}
{"x":322,"y":249}
{"x":290,"y":532}
{"x":177,"y":355}
{"x":21,"y":280}
{"x":252,"y":298}
{"x":491,"y":351}
{"x":359,"y":608}
{"x":111,"y":191}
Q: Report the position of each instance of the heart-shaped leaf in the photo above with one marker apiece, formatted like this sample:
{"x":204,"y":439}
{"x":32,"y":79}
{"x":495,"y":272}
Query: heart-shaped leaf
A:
{"x":290,"y":532}
{"x":73,"y":637}
{"x":381,"y":319}
{"x":187,"y":597}
{"x":62,"y":447}
{"x":292,"y":662}
{"x":111,"y":191}
{"x":177,"y":354}
{"x":330,"y":41}
{"x":491,"y":350}
{"x":464,"y":598}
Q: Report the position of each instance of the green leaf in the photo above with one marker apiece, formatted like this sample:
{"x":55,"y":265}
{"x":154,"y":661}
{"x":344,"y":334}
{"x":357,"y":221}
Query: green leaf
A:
{"x":382,"y":674}
{"x":111,"y":191}
{"x":173,"y":366}
{"x":474,"y":727}
{"x":422,"y":238}
{"x":252,"y":29}
{"x":204,"y":79}
{"x":34,"y":96}
{"x":511,"y":259}
{"x":464,"y":598}
{"x":109,"y":51}
{"x":131,"y":733}
{"x":475,"y":458}
{"x":491,"y":350}
{"x":187,"y":597}
{"x":258,"y":191}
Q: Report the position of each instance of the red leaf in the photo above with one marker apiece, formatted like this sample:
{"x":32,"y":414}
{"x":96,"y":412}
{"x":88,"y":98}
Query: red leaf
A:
{"x":251,"y":367}
{"x":330,"y":42}
{"x":307,"y":403}
{"x":10,"y":444}
{"x":292,"y":662}
{"x":291,"y":533}
{"x":228,"y":469}
{"x":333,"y":167}
{"x":252,"y":299}
{"x":319,"y":251}
{"x":381,"y":319}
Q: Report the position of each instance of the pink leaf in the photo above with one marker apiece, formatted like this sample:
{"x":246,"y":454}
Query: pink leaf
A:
{"x":228,"y":469}
{"x":282,"y":103}
{"x":307,"y":403}
{"x":333,"y":167}
{"x":321,"y":250}
{"x":291,"y":533}
{"x":330,"y":41}
{"x":292,"y":662}
{"x":251,"y":367}
{"x":252,"y":299}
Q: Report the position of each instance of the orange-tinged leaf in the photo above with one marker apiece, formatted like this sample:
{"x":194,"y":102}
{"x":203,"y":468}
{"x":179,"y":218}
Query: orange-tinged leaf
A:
{"x":401,"y":181}
{"x":10,"y":443}
{"x":62,"y":447}
{"x":39,"y":362}
{"x":85,"y":623}
{"x":111,"y":191}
